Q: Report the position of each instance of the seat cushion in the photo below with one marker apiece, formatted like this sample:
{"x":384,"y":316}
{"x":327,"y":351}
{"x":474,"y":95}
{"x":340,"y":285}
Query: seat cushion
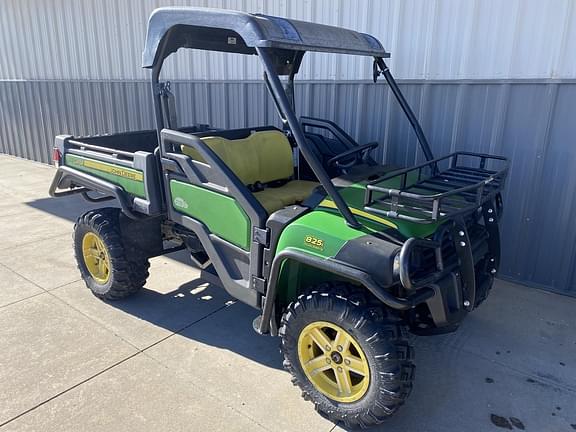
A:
{"x":275,"y":198}
{"x":263,"y":156}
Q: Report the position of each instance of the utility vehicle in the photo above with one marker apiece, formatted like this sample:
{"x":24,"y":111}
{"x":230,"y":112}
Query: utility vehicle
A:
{"x":340,"y":254}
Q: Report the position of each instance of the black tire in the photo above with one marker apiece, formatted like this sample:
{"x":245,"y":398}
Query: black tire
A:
{"x":128,"y":270}
{"x":382,"y":339}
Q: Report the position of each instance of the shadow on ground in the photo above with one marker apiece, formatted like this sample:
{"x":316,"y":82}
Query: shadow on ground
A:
{"x":230,"y":326}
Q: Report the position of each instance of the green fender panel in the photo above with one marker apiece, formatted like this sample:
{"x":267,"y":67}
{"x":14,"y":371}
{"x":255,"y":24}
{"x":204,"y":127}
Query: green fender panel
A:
{"x":319,"y":233}
{"x":220,"y":213}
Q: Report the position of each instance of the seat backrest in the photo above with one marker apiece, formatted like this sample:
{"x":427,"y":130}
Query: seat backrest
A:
{"x":263,"y":156}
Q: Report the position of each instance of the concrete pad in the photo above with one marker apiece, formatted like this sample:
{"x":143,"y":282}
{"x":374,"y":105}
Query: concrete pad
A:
{"x":27,"y":186}
{"x":526,"y":329}
{"x":20,"y":171}
{"x":226,"y":357}
{"x":174,"y":298}
{"x":68,"y":208}
{"x":10,"y":205}
{"x":49,"y":262}
{"x":45,"y":348}
{"x":458,"y":391}
{"x":14,"y":162}
{"x":14,"y":287}
{"x":138,"y":395}
{"x":31,"y":226}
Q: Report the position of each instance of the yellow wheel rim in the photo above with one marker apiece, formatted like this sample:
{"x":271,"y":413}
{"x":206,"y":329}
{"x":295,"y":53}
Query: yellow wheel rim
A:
{"x":333,"y":361}
{"x":96,"y":257}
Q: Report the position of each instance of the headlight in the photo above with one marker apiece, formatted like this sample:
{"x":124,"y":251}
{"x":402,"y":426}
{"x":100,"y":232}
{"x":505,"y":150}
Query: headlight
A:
{"x":396,"y":267}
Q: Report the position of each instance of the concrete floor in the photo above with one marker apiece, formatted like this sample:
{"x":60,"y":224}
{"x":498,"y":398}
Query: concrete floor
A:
{"x":182,"y":356}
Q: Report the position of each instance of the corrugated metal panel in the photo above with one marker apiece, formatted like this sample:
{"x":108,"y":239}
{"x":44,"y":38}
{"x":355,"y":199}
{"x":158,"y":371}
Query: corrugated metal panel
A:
{"x":83,"y":60}
{"x":530,"y":123}
{"x":442,"y":39}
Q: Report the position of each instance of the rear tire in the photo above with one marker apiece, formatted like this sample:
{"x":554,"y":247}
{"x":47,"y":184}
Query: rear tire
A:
{"x":375,"y":338}
{"x":106,"y":267}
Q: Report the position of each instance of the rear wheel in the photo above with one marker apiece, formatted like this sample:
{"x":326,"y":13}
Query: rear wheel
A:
{"x":347,"y":357}
{"x":106,"y":267}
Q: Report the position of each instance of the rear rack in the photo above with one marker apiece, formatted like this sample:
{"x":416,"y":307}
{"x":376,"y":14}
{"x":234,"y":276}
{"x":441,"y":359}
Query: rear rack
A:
{"x":428,"y":194}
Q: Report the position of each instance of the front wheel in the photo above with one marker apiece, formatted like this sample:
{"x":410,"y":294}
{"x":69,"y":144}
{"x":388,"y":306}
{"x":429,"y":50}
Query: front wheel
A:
{"x":350,"y":360}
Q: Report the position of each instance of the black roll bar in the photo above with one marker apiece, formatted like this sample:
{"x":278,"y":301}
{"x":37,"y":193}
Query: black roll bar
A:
{"x":279,"y":96}
{"x":406,"y":108}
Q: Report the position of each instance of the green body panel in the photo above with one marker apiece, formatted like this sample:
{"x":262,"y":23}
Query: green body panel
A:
{"x":220,"y":213}
{"x":319,"y":233}
{"x":329,"y":228}
{"x":354,"y":197}
{"x":131,"y":180}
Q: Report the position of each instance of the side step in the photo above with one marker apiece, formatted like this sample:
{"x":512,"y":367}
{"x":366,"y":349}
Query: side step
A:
{"x":200,"y":259}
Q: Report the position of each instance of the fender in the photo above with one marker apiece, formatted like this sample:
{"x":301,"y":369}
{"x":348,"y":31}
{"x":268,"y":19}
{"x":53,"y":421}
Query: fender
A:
{"x":341,"y":269}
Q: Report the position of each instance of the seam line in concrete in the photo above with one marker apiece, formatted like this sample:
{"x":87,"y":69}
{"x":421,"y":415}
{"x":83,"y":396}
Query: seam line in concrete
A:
{"x":22,"y":299}
{"x":63,"y":233}
{"x":106,"y":369}
{"x":51,"y":398}
{"x":34,"y":283}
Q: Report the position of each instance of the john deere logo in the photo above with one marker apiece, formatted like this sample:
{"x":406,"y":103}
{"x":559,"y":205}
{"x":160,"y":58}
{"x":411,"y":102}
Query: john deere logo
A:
{"x":180,"y":203}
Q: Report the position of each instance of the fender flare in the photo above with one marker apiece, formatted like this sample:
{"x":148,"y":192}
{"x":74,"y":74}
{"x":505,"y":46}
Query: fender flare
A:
{"x":341,"y":269}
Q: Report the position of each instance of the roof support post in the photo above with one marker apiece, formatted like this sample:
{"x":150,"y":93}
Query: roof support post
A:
{"x":406,"y":108}
{"x":279,"y":95}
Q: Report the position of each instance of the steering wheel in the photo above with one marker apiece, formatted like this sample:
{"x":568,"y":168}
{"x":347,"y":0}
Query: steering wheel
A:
{"x":355,"y":155}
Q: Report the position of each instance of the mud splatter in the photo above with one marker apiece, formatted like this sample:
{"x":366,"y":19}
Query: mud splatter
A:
{"x":501,"y":422}
{"x":517,"y":423}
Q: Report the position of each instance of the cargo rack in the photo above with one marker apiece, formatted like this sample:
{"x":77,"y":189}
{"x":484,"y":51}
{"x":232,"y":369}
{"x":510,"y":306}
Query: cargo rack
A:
{"x":428,"y":194}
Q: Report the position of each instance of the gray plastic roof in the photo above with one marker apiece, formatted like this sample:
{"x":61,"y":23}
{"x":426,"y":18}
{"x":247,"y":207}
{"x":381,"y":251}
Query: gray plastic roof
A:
{"x":170,"y":28}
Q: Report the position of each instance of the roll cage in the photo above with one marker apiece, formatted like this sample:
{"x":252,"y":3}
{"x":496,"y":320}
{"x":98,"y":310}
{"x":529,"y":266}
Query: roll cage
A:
{"x":280,"y":44}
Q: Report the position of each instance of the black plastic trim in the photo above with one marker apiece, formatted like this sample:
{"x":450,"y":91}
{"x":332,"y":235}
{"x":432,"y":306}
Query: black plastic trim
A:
{"x":340,"y":269}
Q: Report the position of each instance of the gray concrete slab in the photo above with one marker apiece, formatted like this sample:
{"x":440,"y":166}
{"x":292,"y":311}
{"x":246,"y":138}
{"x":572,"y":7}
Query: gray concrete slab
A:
{"x":30,"y":227}
{"x":138,"y":395}
{"x":459,"y":391}
{"x":528,"y":330}
{"x":174,"y":297}
{"x":10,"y":205}
{"x":224,"y":354}
{"x":48,"y":261}
{"x":65,"y":356}
{"x":45,"y":348}
{"x":14,"y":287}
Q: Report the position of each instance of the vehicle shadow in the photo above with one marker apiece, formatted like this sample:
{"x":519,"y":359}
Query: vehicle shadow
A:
{"x":454,"y":389}
{"x":442,"y":391}
{"x":205,"y":314}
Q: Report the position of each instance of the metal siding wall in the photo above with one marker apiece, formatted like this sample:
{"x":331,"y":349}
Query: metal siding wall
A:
{"x":76,"y":70}
{"x":441,"y":39}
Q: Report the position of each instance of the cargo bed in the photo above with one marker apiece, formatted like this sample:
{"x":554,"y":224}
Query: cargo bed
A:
{"x":121,"y":166}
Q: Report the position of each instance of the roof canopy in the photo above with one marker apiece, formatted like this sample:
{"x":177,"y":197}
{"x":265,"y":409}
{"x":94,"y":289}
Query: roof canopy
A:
{"x":171,"y":28}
